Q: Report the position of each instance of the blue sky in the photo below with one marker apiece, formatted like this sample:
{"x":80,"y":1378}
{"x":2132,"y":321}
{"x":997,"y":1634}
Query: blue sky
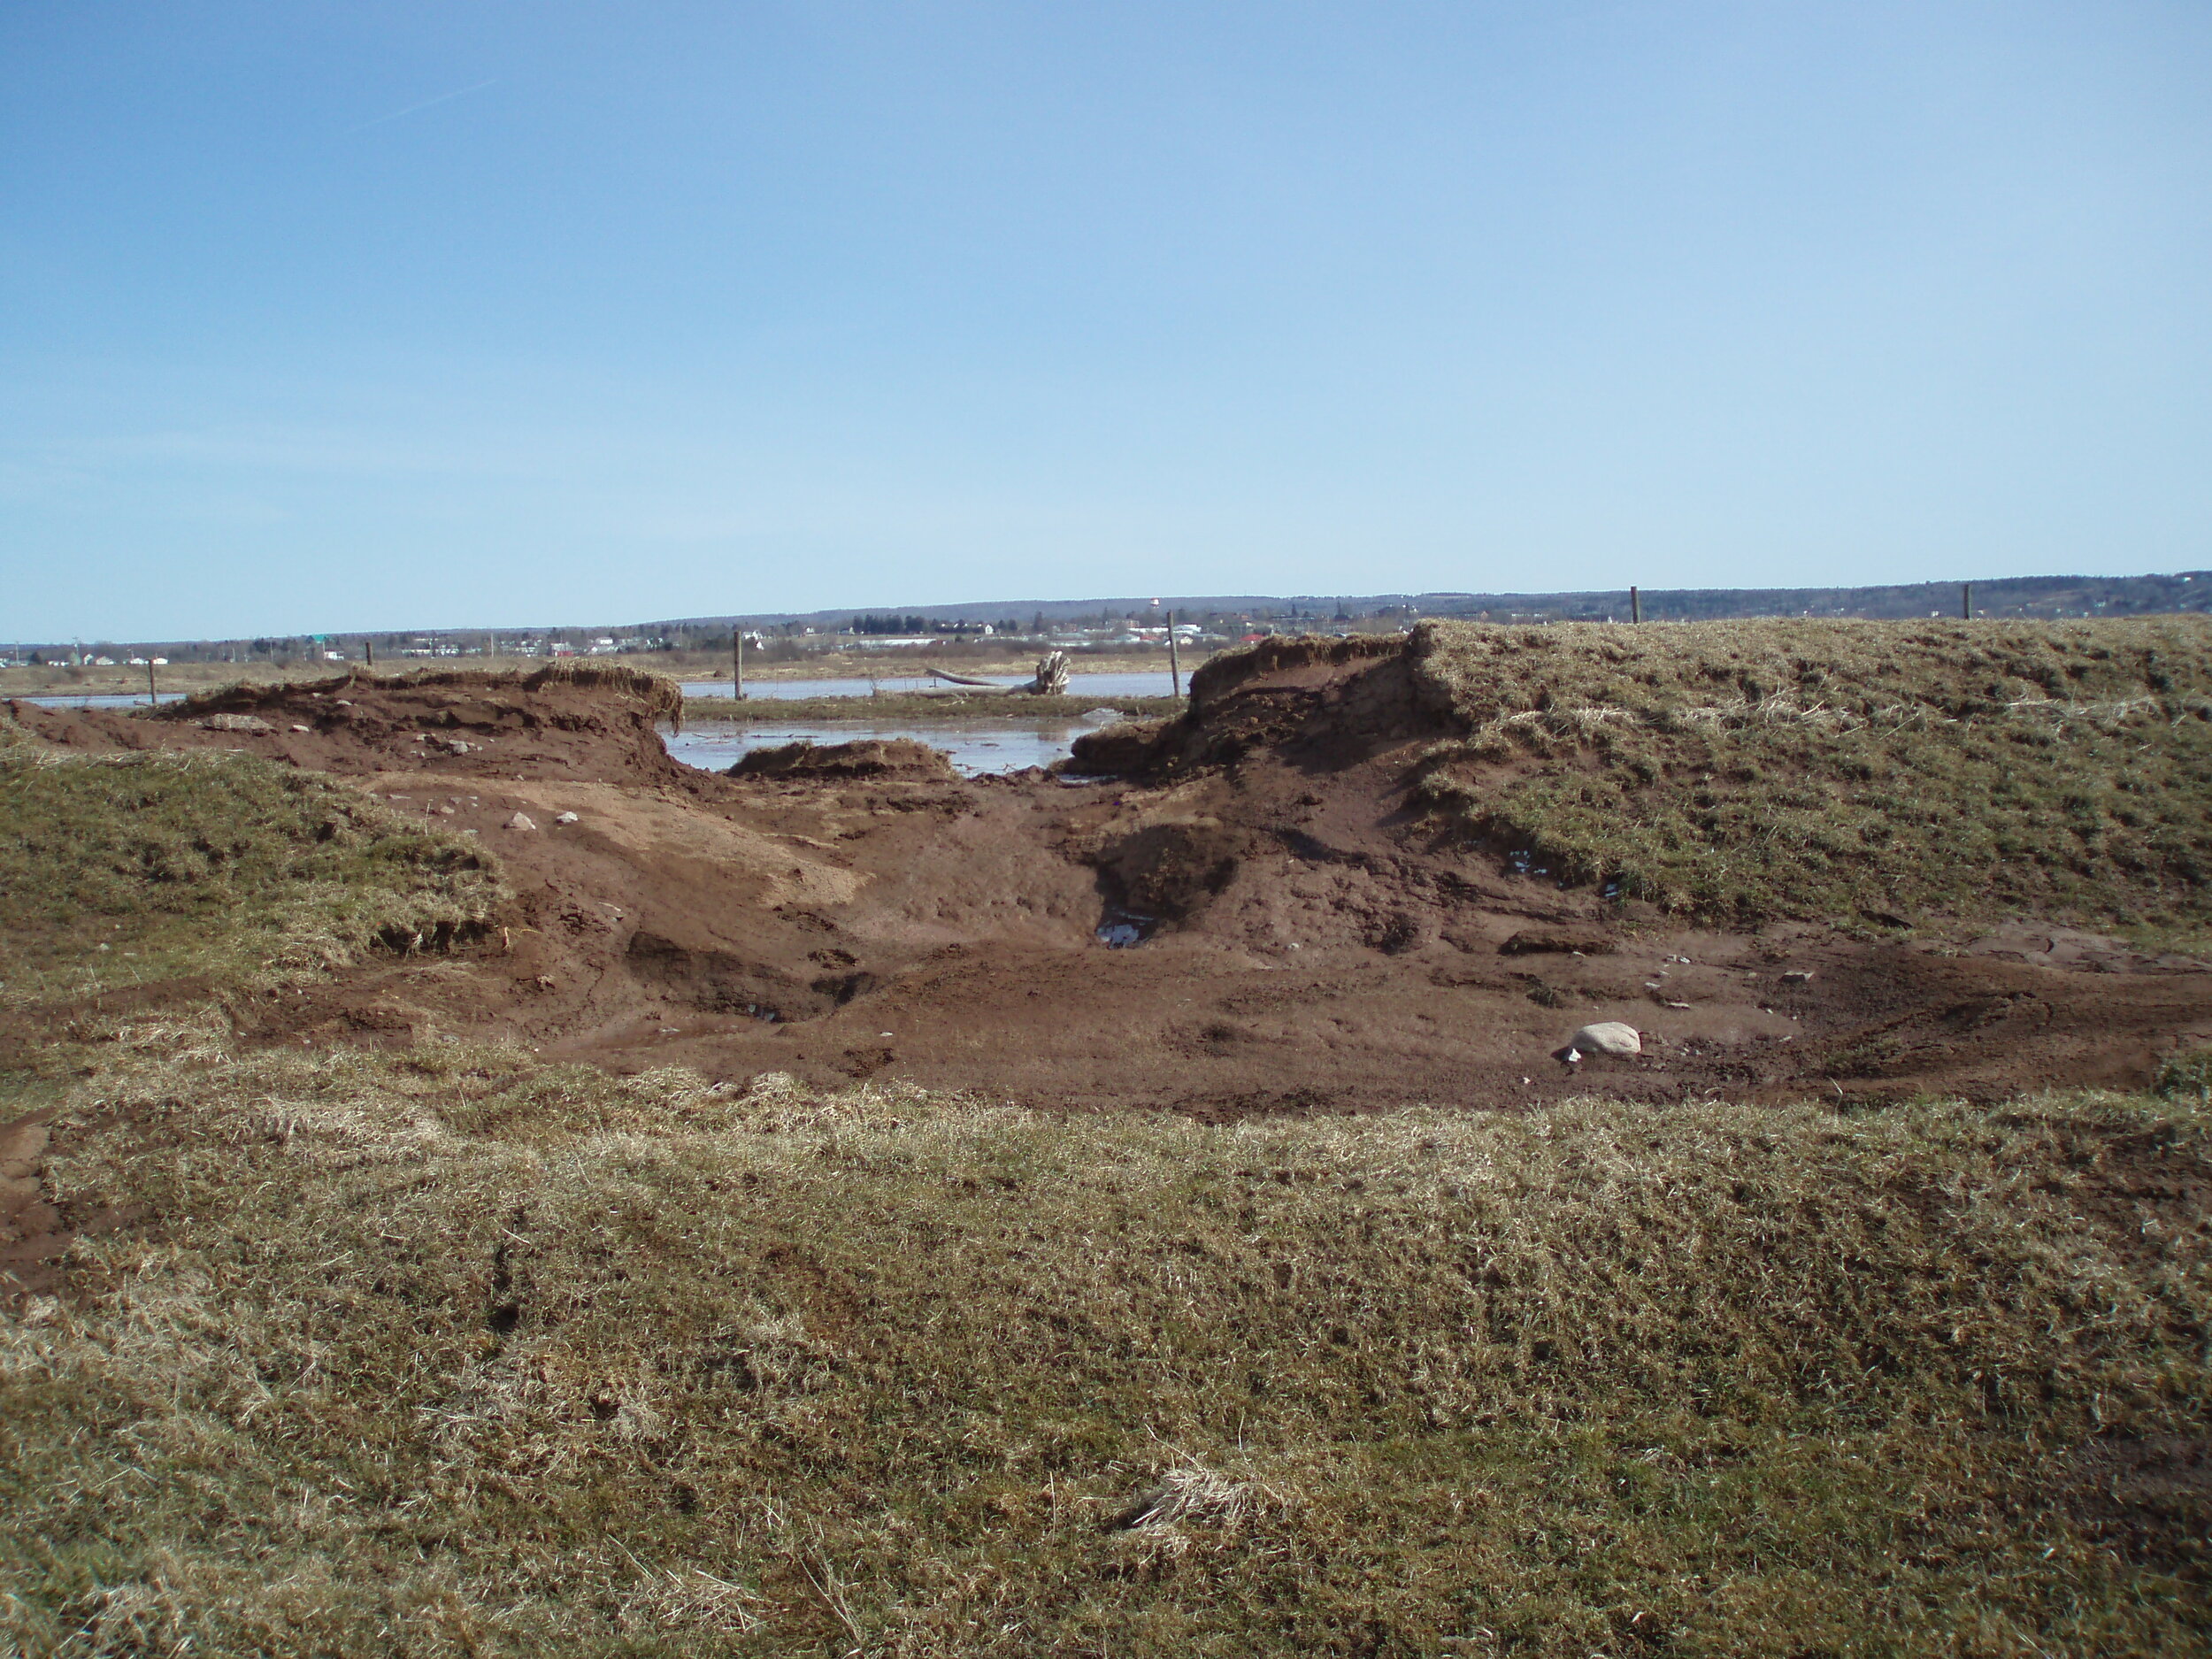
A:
{"x":318,"y":316}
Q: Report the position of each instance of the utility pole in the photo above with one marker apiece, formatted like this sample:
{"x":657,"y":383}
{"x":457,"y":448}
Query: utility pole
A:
{"x":1174,"y":663}
{"x":1966,"y":603}
{"x":1635,"y":605}
{"x":368,"y":649}
{"x":737,"y":659}
{"x":153,"y":695}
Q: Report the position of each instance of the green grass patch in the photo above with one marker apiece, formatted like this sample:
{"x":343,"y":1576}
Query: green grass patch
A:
{"x":1746,"y":770}
{"x":452,"y":1352}
{"x":123,"y":870}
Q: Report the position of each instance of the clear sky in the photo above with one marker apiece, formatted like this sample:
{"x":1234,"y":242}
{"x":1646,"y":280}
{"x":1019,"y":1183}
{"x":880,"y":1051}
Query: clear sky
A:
{"x":321,"y":315}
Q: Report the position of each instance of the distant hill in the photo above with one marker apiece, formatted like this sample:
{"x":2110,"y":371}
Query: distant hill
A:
{"x":2038,"y":597}
{"x":2006,"y":597}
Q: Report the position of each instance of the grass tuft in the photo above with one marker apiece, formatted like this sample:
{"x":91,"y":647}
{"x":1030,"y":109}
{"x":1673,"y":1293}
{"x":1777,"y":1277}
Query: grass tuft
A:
{"x":2186,"y":1076}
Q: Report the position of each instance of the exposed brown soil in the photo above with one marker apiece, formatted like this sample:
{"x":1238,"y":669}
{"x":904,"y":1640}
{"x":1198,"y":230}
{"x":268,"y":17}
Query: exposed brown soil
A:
{"x":550,"y":724}
{"x":1309,"y":942}
{"x":868,"y":757}
{"x":31,"y":1234}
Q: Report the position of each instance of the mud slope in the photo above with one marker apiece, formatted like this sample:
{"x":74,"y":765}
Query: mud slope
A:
{"x":1311,"y":938}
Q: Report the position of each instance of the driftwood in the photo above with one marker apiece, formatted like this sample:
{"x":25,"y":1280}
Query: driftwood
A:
{"x":1051,"y":679}
{"x":1052,"y":675}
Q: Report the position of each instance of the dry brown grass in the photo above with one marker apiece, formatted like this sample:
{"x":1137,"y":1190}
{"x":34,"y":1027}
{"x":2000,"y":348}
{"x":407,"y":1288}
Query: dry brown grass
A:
{"x":1922,"y":771}
{"x":451,"y":1352}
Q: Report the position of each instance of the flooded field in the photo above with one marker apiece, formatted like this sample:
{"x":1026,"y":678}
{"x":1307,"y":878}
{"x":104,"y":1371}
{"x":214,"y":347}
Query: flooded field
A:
{"x":1000,"y":746}
{"x":1138,"y":685}
{"x":101,"y":700}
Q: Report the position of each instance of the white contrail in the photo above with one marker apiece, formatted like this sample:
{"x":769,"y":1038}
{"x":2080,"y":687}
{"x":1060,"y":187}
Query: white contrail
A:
{"x":444,"y":98}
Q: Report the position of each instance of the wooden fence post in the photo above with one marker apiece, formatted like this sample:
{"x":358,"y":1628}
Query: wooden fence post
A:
{"x":1635,"y":605}
{"x":1174,"y":663}
{"x":737,"y":661}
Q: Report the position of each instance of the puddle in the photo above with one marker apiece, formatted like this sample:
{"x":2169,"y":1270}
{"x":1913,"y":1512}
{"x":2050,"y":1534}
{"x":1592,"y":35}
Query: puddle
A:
{"x":1122,"y":928}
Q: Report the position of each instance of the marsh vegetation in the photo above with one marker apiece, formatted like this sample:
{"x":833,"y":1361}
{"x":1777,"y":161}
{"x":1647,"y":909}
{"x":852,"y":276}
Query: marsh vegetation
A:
{"x":444,"y":1347}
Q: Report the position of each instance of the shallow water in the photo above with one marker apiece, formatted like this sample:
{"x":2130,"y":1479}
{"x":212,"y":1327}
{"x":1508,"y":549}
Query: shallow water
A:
{"x":1141,"y":685}
{"x":975,"y":747}
{"x":103,"y":700}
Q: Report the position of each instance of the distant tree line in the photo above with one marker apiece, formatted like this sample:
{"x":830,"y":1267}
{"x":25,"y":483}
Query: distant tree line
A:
{"x":898,"y":625}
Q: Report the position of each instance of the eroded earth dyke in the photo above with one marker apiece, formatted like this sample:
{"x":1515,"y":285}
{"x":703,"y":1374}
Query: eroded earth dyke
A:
{"x":1296,"y":926}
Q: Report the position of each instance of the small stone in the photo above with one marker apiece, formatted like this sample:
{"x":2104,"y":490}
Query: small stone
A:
{"x":296,"y":726}
{"x":1798,"y":976}
{"x":455,"y":745}
{"x":342,"y":703}
{"x":519,"y":821}
{"x":238,"y":723}
{"x":564,"y":818}
{"x":1607,"y":1036}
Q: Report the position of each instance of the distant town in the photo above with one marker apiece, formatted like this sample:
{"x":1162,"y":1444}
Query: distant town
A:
{"x":1101,"y":625}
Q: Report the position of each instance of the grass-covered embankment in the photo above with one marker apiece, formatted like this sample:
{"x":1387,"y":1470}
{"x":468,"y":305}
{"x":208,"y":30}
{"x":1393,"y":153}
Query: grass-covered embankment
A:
{"x":123,"y":870}
{"x":453,"y":1353}
{"x":1744,"y":770}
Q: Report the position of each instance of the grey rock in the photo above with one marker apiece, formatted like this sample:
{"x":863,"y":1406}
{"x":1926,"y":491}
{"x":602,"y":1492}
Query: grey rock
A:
{"x":1607,"y":1036}
{"x":519,"y":821}
{"x":238,"y":723}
